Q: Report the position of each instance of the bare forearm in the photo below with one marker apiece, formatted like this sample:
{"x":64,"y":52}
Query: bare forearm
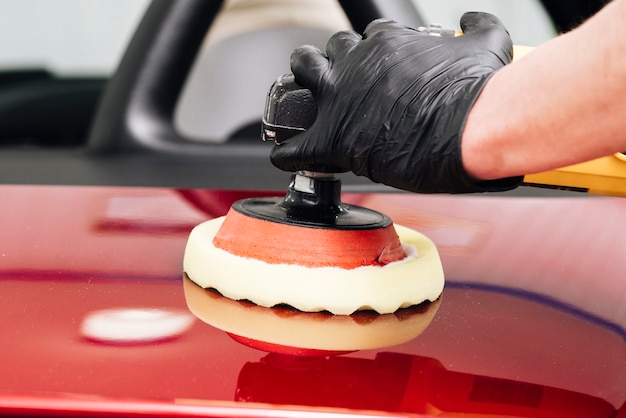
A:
{"x":559,"y":105}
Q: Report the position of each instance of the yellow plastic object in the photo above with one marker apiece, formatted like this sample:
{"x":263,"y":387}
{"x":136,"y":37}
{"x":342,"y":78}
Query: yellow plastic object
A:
{"x":519,"y":51}
{"x":602,"y":176}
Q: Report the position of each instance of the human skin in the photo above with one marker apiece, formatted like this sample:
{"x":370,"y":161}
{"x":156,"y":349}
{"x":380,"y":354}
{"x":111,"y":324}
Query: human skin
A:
{"x":561,"y":104}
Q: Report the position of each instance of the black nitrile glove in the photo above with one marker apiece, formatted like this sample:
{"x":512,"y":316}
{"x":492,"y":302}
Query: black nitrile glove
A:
{"x":392,"y":105}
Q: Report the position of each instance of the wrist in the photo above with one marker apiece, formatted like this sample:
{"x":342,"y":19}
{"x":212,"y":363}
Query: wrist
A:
{"x":479,"y":154}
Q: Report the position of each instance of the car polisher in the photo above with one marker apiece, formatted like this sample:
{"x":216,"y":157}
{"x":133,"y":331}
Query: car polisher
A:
{"x":309,"y":250}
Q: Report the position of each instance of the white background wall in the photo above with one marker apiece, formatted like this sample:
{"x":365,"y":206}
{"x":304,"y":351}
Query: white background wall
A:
{"x":89,"y":36}
{"x":526,"y":20}
{"x":67,"y":36}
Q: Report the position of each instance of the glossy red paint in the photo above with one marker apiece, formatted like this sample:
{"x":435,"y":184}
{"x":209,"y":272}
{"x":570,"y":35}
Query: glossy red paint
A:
{"x":531,"y":323}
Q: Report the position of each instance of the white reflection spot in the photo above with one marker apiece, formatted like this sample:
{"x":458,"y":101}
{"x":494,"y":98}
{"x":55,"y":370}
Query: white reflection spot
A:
{"x":134,"y":325}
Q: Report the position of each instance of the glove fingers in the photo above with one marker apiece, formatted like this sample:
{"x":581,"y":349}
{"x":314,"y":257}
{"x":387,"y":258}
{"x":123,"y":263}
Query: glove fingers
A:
{"x":309,"y":65}
{"x":340,"y":43}
{"x":382,"y":25}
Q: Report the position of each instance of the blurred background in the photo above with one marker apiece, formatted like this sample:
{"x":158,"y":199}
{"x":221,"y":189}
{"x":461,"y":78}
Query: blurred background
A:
{"x":67,"y":36}
{"x":89,"y":36}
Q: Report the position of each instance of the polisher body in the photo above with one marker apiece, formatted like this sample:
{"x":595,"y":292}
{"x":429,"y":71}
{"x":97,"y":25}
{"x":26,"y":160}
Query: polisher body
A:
{"x":309,"y":250}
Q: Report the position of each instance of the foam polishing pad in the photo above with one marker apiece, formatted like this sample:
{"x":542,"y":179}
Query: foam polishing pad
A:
{"x":399,"y":282}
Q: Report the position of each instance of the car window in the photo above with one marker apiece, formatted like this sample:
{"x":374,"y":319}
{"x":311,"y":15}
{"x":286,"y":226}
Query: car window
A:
{"x":67,"y":36}
{"x":526,"y":20}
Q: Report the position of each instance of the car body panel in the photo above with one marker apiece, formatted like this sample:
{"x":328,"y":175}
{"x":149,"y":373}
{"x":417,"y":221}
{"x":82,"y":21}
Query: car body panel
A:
{"x":531,"y":322}
{"x":96,"y":318}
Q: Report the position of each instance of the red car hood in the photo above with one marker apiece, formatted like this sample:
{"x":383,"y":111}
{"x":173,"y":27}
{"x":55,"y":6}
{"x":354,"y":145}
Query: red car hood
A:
{"x":96,"y":316}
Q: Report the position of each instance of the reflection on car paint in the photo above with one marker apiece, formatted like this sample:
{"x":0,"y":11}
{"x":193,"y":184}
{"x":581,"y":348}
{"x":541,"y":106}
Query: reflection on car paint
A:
{"x":134,"y":325}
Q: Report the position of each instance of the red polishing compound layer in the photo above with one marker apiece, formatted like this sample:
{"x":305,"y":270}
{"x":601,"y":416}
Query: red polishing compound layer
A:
{"x":278,"y":243}
{"x":312,"y":268}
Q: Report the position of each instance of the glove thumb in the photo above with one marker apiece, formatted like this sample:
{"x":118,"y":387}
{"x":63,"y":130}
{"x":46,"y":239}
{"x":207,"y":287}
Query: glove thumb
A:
{"x":488,"y":32}
{"x":306,"y":152}
{"x":287,"y":155}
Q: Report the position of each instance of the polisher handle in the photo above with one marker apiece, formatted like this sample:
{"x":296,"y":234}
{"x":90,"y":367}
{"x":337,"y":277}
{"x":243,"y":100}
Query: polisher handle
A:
{"x":289,"y":110}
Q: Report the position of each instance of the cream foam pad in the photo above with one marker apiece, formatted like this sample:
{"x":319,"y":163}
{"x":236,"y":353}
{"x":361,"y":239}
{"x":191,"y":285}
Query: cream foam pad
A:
{"x":309,"y":330}
{"x":411,"y":281}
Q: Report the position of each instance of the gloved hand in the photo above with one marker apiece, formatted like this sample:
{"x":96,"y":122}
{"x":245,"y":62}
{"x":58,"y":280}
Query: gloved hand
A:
{"x":392,"y":105}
